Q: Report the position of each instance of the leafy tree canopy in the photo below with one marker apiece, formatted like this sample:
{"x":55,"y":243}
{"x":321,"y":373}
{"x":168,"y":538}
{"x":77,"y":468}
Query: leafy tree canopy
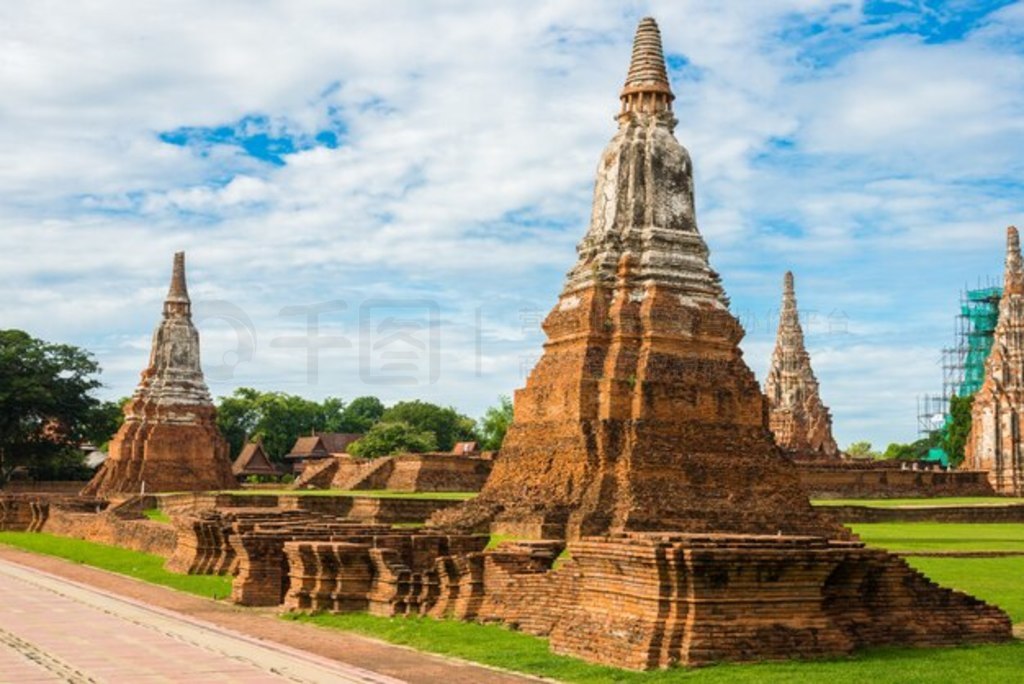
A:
{"x":862,"y":450}
{"x":959,"y":428}
{"x":447,"y":425}
{"x":275,"y":417}
{"x":915,"y":451}
{"x":393,"y":437}
{"x":361,"y":414}
{"x":495,"y":424}
{"x":46,"y":409}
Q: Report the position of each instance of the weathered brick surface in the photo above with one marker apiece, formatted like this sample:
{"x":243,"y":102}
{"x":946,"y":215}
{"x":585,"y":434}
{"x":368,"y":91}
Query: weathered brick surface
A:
{"x":434,"y":472}
{"x":23,"y":512}
{"x":995,"y":443}
{"x":110,"y":527}
{"x":85,"y":518}
{"x":365,"y":509}
{"x":651,"y":600}
{"x":850,"y":481}
{"x":924,"y":513}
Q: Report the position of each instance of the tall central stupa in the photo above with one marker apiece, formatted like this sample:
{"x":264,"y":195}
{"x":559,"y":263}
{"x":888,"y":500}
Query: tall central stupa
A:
{"x":641,"y":414}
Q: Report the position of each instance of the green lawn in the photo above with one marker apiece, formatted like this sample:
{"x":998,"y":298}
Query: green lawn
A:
{"x":156,"y":515}
{"x":375,"y":493}
{"x":499,"y":647}
{"x":999,"y":581}
{"x":144,"y":566}
{"x":938,"y":501}
{"x":930,"y":536}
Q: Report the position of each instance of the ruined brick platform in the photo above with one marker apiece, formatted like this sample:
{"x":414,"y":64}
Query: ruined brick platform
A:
{"x":648,"y":600}
{"x":431,"y":472}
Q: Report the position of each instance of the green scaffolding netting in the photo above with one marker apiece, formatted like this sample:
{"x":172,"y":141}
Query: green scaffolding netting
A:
{"x":981,"y":310}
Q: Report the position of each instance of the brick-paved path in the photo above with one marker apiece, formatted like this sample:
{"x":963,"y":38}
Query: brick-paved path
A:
{"x":51,"y":625}
{"x":53,"y":630}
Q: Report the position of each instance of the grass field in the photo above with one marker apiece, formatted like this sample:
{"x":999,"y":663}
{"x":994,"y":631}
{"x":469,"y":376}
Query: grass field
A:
{"x":144,"y":566}
{"x":999,"y":581}
{"x":938,"y":501}
{"x":499,"y":647}
{"x":928,"y":536}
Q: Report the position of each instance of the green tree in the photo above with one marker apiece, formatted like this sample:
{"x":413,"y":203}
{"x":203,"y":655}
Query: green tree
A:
{"x":361,"y":414}
{"x":276,"y":417}
{"x":46,"y":408}
{"x":862,"y":450}
{"x":915,"y":451}
{"x":959,"y":428}
{"x":386,"y":438}
{"x":495,"y":424}
{"x":448,"y":425}
{"x":104,"y":421}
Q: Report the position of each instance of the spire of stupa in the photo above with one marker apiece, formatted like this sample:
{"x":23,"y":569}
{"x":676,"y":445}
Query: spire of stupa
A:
{"x":647,"y":88}
{"x":177,"y":296}
{"x":1014,"y":276}
{"x":643,"y":194}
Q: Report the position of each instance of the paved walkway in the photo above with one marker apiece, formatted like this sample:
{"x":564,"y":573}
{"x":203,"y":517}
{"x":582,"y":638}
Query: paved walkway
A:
{"x":53,"y":630}
{"x":61,"y":620}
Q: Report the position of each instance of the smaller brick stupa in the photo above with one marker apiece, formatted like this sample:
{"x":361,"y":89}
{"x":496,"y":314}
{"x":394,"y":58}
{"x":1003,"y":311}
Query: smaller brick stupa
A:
{"x":169,"y":440}
{"x":998,"y":412}
{"x":797,"y":417}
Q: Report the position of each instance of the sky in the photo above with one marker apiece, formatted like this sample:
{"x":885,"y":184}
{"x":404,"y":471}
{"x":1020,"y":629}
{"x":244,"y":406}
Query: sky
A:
{"x":384,"y":197}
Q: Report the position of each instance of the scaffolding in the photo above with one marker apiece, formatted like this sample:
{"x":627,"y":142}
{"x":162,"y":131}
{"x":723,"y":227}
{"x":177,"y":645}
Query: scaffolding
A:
{"x":979,"y":309}
{"x":963,"y":364}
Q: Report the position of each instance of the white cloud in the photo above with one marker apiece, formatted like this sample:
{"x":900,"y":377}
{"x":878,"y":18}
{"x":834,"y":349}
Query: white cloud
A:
{"x":471,"y":135}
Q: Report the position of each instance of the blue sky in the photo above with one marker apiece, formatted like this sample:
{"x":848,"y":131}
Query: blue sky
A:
{"x":412,"y":177}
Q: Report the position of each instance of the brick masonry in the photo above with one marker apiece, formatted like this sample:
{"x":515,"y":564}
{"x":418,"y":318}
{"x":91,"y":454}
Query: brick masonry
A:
{"x":403,"y":473}
{"x":842,"y":481}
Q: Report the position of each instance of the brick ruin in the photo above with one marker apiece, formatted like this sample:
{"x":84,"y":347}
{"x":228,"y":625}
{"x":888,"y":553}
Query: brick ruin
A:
{"x":169,"y":440}
{"x":663,"y":525}
{"x":641,"y":415}
{"x":642,"y":438}
{"x":996,"y":416}
{"x":432,"y":472}
{"x":797,"y":417}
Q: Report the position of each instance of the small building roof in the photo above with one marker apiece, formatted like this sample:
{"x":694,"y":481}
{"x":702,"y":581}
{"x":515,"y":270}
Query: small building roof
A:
{"x":322,"y":445}
{"x":253,"y":460}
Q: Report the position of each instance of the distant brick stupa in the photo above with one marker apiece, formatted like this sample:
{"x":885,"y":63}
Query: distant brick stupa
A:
{"x":799,"y":420}
{"x":169,"y":440}
{"x":997,"y":417}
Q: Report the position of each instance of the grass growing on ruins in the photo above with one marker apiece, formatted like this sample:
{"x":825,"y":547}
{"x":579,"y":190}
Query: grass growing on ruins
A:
{"x":147,"y":567}
{"x":929,"y":536}
{"x":905,"y":503}
{"x":156,"y":515}
{"x":373,"y":493}
{"x":500,"y":647}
